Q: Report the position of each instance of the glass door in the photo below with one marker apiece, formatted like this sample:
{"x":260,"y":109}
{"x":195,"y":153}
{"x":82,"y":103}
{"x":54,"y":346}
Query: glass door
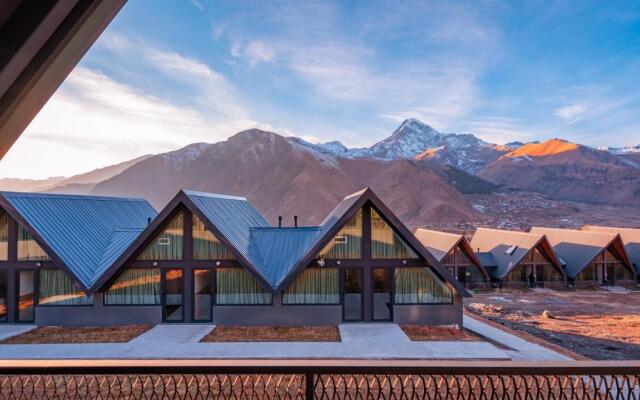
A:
{"x":382,"y":307}
{"x":202,"y":294}
{"x":26,"y":295}
{"x":173,"y":310}
{"x":352,"y":295}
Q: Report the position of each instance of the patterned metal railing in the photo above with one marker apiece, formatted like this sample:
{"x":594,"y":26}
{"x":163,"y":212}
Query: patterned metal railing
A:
{"x":322,"y":379}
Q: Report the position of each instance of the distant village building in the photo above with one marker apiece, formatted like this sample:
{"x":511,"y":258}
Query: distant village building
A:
{"x":518,"y":259}
{"x":590,"y":257}
{"x":455,"y":254}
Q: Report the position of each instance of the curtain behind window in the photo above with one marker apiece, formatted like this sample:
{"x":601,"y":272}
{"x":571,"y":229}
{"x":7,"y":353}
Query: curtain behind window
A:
{"x":314,"y":286}
{"x":56,"y":288}
{"x":385,"y":242}
{"x":168,"y":244}
{"x":420,"y":286}
{"x":4,"y":237}
{"x":205,"y":245}
{"x":28,"y":248}
{"x":237,"y":286}
{"x":347,"y":244}
{"x":135,"y":286}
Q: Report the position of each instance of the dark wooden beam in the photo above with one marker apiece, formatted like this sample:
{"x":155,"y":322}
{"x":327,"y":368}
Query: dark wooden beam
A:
{"x":41,"y":41}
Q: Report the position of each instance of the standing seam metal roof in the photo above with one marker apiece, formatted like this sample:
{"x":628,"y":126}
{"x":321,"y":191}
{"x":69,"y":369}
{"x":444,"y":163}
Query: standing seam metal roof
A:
{"x":233,"y":217}
{"x":498,"y":242}
{"x":86,"y":232}
{"x":630,"y":238}
{"x":279,"y":249}
{"x":438,"y":243}
{"x":576,"y":248}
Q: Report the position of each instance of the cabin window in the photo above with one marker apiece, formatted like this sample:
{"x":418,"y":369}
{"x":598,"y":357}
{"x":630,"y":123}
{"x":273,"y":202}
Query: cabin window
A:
{"x":4,"y":238}
{"x":314,"y":286}
{"x":136,"y":286}
{"x":587,"y":274}
{"x":420,"y":286}
{"x":168,"y":244}
{"x":57,"y":289}
{"x":385,"y":242}
{"x":347,"y":244}
{"x":621,"y":272}
{"x":205,"y":245}
{"x":237,"y":286}
{"x":519,"y":273}
{"x":28,"y":248}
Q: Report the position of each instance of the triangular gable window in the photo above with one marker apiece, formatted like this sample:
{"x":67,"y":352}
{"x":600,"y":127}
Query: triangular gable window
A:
{"x":347,"y":244}
{"x":205,"y":245}
{"x":28,"y":248}
{"x":385,"y":242}
{"x":167,"y":245}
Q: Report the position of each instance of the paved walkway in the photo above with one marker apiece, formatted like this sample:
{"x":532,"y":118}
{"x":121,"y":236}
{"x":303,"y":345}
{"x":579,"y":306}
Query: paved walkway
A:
{"x":174,"y":333}
{"x":7,"y":331}
{"x":521,"y":349}
{"x":359,"y":341}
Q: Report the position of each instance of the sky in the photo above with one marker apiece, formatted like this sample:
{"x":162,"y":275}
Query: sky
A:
{"x":167,"y":73}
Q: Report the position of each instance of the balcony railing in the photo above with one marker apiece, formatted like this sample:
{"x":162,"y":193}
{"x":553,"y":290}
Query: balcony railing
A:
{"x":317,"y":379}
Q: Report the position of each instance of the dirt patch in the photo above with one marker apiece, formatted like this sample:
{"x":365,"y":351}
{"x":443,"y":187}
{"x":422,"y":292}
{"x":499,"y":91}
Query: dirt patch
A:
{"x":594,"y":324}
{"x":439,"y":334}
{"x":67,"y":335}
{"x":324,"y":333}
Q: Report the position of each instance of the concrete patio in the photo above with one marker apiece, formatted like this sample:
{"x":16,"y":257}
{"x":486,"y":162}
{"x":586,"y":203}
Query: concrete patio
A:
{"x":359,"y":341}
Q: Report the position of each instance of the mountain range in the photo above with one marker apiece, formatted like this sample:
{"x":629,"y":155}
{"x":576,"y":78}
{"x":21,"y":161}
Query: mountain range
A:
{"x":424,"y":175}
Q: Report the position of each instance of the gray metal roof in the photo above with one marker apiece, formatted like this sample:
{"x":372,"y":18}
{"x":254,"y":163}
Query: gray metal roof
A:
{"x":630,"y":238}
{"x":279,"y":249}
{"x":487,"y":260}
{"x":438,"y":243}
{"x":85,"y":233}
{"x":234,"y":217}
{"x":576,"y":248}
{"x":506,"y":247}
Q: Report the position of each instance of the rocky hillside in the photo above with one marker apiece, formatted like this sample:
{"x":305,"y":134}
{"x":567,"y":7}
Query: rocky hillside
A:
{"x":568,"y":171}
{"x":282,"y":177}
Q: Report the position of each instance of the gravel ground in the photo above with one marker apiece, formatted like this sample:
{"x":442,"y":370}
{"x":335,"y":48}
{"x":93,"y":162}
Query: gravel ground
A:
{"x":596,"y":324}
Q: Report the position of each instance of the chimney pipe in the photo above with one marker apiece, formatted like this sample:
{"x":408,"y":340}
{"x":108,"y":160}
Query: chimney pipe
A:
{"x":279,"y":221}
{"x":148,"y":220}
{"x":295,"y":221}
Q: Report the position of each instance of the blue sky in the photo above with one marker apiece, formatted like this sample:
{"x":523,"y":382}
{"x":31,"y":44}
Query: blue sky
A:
{"x":167,"y":73}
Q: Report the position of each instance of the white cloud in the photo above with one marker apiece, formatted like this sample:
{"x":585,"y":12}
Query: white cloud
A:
{"x":571,"y":113}
{"x":94,"y":120}
{"x":258,"y":51}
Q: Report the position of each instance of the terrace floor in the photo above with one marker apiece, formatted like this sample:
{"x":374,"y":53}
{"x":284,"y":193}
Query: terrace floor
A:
{"x":358,"y":341}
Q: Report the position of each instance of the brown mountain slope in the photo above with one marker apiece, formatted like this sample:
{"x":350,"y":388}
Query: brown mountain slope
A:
{"x":568,"y":171}
{"x":282,"y":178}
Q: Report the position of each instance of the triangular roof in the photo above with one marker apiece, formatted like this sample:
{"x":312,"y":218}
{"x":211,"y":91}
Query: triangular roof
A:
{"x":342,"y":213}
{"x":508,"y":248}
{"x":441,"y":243}
{"x":229,"y":218}
{"x":578,"y":248}
{"x":81,"y":234}
{"x":275,"y":256}
{"x":630,"y":238}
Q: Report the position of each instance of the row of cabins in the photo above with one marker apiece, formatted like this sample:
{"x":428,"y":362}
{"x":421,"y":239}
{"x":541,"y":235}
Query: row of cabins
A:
{"x":542,"y":257}
{"x":87,"y":261}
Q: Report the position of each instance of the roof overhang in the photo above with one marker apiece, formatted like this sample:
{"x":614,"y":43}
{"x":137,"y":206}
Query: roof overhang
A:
{"x":40,"y":44}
